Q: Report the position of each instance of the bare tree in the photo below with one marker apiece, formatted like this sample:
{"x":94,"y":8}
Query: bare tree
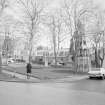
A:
{"x":61,"y":33}
{"x":51,"y":22}
{"x":8,"y":23}
{"x":32,"y":10}
{"x":98,"y":38}
{"x":59,"y":29}
{"x":56,"y":25}
{"x":53,"y":30}
{"x":3,"y":5}
{"x":73,"y":11}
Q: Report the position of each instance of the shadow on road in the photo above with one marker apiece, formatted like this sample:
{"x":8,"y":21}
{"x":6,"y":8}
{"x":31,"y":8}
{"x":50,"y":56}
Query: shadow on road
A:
{"x":94,"y":79}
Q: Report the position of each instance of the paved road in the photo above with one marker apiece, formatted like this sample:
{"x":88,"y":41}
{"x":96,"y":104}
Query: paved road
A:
{"x":82,"y":92}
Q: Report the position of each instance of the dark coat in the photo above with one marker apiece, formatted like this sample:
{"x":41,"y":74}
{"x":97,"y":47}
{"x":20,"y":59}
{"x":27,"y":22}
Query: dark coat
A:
{"x":29,"y":68}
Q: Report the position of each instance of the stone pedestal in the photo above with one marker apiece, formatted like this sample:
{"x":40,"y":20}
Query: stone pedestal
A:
{"x":83,"y":64}
{"x":46,"y":62}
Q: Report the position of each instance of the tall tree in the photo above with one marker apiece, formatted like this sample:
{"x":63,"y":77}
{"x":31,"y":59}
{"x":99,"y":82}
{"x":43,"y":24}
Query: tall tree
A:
{"x":61,"y":28}
{"x":32,"y":11}
{"x":98,"y":38}
{"x":52,"y":26}
{"x":55,"y":23}
{"x":7,"y":48}
{"x":3,"y":5}
{"x":74,"y":11}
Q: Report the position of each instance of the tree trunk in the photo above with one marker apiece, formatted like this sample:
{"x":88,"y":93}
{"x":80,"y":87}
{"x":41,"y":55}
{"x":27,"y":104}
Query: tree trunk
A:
{"x":58,"y":42}
{"x":101,"y":57}
{"x":97,"y":62}
{"x":54,"y":44}
{"x":55,"y":56}
{"x":0,"y":63}
{"x":30,"y":51}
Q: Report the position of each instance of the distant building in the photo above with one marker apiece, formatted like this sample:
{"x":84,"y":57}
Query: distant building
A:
{"x":43,"y":52}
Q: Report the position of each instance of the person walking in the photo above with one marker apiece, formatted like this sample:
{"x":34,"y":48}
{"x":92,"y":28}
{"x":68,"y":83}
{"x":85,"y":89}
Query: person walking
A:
{"x":28,"y":67}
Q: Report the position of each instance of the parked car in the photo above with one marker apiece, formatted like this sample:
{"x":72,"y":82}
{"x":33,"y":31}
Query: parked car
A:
{"x":58,"y":64}
{"x":97,"y":72}
{"x":10,"y":60}
{"x":61,"y":62}
{"x":19,"y":60}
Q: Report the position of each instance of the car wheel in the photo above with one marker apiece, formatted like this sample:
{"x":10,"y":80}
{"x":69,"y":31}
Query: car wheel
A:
{"x":90,"y":77}
{"x":103,"y":77}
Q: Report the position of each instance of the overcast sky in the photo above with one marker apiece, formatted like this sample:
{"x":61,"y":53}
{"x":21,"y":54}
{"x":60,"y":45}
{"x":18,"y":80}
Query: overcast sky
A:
{"x":53,"y":4}
{"x":101,"y":3}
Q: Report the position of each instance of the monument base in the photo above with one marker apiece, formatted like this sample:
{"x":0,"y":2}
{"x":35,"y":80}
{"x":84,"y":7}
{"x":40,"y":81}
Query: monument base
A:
{"x":83,"y":64}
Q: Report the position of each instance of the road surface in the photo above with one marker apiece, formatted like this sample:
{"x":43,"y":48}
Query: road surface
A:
{"x":82,"y":92}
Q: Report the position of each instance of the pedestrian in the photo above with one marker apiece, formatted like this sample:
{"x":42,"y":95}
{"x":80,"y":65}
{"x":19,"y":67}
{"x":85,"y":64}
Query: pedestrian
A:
{"x":28,"y":67}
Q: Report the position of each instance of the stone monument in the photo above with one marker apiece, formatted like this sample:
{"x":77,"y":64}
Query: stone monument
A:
{"x":80,"y":50}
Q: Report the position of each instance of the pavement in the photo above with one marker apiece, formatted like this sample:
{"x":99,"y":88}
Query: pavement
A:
{"x":9,"y":78}
{"x":17,"y":73}
{"x":41,"y":72}
{"x":16,"y":77}
{"x":12,"y":76}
